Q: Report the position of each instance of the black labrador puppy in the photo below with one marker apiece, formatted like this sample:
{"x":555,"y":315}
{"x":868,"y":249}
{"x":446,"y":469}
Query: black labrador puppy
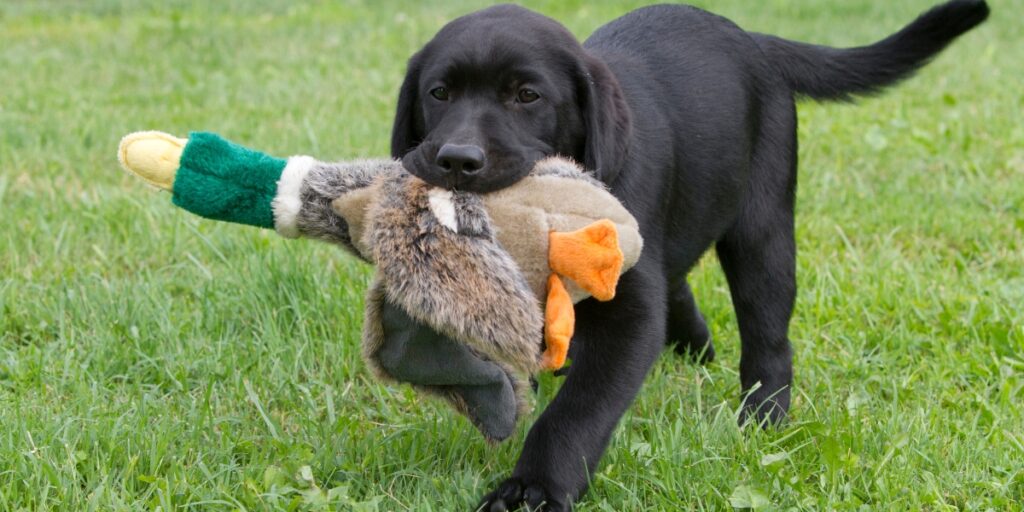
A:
{"x":691,"y":122}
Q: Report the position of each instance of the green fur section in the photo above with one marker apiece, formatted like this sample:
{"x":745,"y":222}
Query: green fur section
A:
{"x":223,"y":181}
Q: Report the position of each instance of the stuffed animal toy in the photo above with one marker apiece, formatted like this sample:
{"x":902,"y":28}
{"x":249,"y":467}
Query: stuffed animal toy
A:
{"x":467,"y":285}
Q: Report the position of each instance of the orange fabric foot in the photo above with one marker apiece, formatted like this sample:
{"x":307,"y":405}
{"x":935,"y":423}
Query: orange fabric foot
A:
{"x":590,"y":256}
{"x":559,"y":323}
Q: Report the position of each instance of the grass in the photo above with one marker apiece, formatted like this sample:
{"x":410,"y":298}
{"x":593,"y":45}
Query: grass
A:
{"x":151,"y":360}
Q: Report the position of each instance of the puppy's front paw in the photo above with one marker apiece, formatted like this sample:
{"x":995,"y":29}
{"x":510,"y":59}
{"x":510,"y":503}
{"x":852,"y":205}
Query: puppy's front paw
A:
{"x":514,"y":493}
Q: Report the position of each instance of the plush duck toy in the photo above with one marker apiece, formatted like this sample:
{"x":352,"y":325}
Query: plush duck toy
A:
{"x":467,"y":285}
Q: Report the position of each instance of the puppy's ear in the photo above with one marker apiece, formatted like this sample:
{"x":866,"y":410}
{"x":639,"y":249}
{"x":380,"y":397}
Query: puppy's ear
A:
{"x":407,"y":131}
{"x":606,"y":118}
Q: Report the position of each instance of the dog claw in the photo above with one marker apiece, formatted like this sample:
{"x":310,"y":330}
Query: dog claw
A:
{"x":513,"y":494}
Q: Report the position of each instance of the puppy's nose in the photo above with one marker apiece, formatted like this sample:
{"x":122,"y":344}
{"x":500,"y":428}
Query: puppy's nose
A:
{"x":460,"y":158}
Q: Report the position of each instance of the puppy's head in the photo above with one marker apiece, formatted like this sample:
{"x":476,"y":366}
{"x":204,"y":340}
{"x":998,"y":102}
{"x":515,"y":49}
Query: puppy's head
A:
{"x":499,"y":89}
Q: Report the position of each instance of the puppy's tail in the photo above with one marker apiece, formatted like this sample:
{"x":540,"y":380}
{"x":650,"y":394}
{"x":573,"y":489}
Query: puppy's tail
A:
{"x":825,"y":73}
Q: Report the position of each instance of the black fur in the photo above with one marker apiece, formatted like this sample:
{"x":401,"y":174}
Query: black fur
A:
{"x":692,"y":123}
{"x":824,"y":73}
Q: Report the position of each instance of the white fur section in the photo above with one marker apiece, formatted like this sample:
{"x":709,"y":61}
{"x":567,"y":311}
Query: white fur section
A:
{"x":552,"y":164}
{"x":287,"y":202}
{"x":443,"y":208}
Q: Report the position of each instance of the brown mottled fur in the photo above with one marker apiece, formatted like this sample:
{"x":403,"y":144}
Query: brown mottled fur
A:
{"x":482,"y":284}
{"x":463,"y":284}
{"x":325,"y":183}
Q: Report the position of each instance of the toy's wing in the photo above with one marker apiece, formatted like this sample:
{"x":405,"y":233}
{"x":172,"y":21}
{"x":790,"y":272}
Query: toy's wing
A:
{"x":397,"y":347}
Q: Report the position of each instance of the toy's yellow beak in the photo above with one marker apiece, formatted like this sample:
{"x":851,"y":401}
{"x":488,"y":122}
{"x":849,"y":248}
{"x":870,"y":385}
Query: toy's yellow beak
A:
{"x":152,"y":156}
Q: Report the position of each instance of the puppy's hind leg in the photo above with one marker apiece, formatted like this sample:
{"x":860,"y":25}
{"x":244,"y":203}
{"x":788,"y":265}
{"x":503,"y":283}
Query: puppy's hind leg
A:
{"x":686,"y":326}
{"x":758,"y":255}
{"x":759,"y":263}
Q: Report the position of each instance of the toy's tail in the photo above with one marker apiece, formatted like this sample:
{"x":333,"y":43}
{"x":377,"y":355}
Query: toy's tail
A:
{"x":825,"y":73}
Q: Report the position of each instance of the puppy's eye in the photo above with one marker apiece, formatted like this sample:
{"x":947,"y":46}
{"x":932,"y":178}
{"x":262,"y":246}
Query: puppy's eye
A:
{"x":527,"y":96}
{"x":439,"y":93}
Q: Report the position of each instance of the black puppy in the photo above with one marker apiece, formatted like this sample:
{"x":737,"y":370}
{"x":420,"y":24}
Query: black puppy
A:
{"x":691,"y":122}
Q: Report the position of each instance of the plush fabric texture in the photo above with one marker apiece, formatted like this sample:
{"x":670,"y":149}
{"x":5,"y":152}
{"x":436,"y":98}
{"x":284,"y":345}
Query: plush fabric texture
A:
{"x":559,"y":324}
{"x":590,"y":256}
{"x":221,"y":180}
{"x":397,"y":348}
{"x":287,"y":201}
{"x":554,"y":198}
{"x":152,"y":156}
{"x":324,"y":189}
{"x":473,"y":293}
{"x":461,"y":284}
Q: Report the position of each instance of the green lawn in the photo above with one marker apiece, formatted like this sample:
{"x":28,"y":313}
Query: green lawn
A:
{"x":150,"y":360}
